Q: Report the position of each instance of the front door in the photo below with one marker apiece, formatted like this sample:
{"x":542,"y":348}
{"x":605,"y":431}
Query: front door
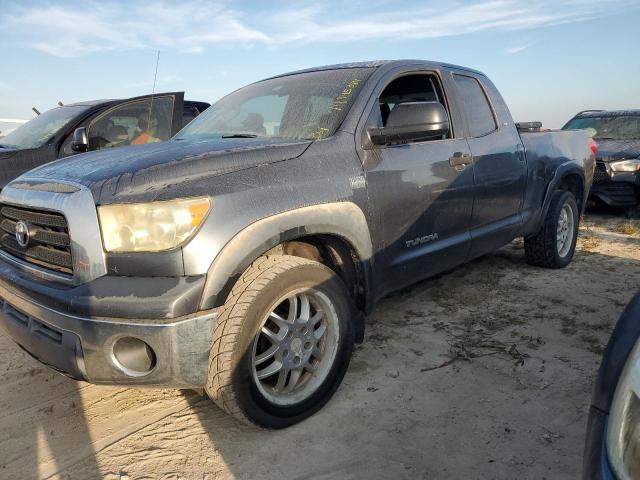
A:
{"x":420,"y":200}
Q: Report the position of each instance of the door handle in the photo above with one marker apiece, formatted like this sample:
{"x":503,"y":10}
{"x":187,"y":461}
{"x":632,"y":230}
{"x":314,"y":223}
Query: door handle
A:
{"x":460,"y":159}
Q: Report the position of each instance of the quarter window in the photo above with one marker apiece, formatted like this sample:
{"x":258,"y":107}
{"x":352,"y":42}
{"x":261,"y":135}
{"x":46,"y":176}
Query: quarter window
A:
{"x":475,"y":106}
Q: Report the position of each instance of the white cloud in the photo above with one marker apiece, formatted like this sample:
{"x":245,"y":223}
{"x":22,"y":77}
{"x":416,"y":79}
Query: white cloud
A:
{"x":12,"y":120}
{"x":193,"y":25}
{"x":434,"y":19}
{"x":518,"y":49}
{"x":161,"y":82}
{"x":70,"y":30}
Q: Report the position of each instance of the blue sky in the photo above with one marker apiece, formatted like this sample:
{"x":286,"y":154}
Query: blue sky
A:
{"x":548,"y":58}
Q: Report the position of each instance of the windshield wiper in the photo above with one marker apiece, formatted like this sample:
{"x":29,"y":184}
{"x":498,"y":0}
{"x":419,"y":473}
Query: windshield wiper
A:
{"x":6,"y":145}
{"x":240,"y":135}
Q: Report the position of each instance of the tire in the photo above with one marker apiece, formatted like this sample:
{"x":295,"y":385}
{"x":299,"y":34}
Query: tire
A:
{"x":239,"y":341}
{"x":543,"y":249}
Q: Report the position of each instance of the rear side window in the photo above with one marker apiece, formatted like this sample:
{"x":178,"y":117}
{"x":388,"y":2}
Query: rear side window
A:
{"x":475,"y":106}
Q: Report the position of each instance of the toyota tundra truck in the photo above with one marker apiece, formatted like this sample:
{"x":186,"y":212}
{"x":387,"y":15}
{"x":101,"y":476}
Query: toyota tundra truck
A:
{"x":242,"y":256}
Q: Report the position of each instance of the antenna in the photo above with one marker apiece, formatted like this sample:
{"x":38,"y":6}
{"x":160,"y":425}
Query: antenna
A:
{"x":153,"y":91}
{"x":35,"y":110}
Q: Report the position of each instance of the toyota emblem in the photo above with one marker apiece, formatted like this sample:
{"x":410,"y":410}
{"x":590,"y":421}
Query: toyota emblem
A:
{"x":22,"y":234}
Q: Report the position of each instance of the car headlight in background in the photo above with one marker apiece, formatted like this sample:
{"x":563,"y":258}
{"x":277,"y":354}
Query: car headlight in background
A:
{"x":623,"y":434}
{"x":151,"y":227}
{"x":626,"y":166}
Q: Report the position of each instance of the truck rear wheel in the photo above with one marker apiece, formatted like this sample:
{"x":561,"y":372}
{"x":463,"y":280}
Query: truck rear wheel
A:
{"x":555,"y":243}
{"x":282,"y":343}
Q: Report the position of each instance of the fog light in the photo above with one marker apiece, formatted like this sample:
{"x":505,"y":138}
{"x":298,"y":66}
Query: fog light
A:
{"x":134,"y":356}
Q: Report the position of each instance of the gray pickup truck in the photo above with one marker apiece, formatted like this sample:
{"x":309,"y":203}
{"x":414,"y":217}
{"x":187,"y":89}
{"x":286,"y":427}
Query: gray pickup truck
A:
{"x":243,"y":255}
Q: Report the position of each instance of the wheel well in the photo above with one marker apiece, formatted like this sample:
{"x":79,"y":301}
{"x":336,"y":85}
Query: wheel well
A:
{"x":573,"y":183}
{"x":340,"y":256}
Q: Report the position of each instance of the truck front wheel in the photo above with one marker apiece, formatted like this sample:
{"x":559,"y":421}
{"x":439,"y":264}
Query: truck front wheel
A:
{"x":282,"y":343}
{"x":555,"y":243}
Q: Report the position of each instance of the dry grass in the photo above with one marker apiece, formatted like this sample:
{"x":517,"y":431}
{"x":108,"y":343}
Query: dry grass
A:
{"x":628,"y":228}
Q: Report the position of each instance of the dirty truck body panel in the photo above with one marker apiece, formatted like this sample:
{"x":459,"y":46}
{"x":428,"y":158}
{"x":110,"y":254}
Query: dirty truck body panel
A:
{"x":405,"y":210}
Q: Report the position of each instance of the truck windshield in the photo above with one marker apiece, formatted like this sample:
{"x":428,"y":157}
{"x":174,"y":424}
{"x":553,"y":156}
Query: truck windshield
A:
{"x":622,"y":127}
{"x":41,"y":129}
{"x":308,"y":105}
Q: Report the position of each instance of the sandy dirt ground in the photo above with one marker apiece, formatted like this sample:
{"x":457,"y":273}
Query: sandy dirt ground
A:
{"x":482,"y":373}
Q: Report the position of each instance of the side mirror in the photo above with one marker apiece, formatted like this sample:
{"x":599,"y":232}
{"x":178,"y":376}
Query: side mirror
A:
{"x":80,"y":142}
{"x":412,"y":121}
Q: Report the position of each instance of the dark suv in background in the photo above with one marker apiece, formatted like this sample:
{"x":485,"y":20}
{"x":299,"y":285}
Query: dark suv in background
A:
{"x":94,"y":125}
{"x":616,"y":181}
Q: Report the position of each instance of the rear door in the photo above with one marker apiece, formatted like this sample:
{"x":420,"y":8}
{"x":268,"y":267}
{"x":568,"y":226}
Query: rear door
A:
{"x":499,"y":168}
{"x":420,"y":202}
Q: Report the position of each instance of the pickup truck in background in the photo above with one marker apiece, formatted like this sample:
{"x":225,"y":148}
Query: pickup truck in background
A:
{"x":243,"y":255}
{"x":616,"y":180}
{"x":93,"y":125}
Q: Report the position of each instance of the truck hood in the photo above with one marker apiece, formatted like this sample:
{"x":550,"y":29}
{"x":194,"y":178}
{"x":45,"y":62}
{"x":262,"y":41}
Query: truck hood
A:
{"x":148,"y":172}
{"x":610,"y":150}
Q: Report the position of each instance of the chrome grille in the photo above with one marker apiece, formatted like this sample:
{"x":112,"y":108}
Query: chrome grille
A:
{"x":49,"y":246}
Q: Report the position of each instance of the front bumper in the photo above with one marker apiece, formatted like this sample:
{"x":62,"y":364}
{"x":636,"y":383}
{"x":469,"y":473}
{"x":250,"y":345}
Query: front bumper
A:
{"x":82,"y":346}
{"x":621,"y":189}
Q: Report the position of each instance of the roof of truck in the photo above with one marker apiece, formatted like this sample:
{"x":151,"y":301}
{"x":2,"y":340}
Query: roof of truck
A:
{"x":377,"y":64}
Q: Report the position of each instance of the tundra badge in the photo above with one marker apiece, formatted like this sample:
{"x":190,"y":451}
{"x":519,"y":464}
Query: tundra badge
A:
{"x":420,"y":240}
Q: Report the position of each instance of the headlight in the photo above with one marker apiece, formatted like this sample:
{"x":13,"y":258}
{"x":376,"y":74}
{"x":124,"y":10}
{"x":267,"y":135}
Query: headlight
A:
{"x":623,"y":435}
{"x":151,"y":227}
{"x":626,"y":166}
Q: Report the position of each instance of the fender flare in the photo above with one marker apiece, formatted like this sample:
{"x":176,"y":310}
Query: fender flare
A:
{"x":342,"y":219}
{"x":560,"y":174}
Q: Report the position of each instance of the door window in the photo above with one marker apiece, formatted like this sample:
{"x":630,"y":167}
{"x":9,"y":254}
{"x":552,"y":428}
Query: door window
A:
{"x":409,"y":88}
{"x":134,"y":123}
{"x":475,"y":106}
